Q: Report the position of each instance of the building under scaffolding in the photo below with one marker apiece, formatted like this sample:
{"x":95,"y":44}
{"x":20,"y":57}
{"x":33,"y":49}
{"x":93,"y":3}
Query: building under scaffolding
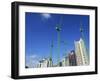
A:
{"x":72,"y":58}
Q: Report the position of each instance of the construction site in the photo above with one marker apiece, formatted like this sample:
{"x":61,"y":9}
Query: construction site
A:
{"x":75,"y":57}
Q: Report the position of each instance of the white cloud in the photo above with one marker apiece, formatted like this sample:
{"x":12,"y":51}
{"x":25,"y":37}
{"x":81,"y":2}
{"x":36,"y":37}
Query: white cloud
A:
{"x":46,"y":15}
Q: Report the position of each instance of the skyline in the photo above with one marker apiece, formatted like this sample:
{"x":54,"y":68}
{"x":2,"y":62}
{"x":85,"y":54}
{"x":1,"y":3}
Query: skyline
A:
{"x":40,"y":30}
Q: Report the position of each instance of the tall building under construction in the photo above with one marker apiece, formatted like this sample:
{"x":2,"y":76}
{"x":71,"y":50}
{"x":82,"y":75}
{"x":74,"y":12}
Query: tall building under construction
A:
{"x":81,"y":53}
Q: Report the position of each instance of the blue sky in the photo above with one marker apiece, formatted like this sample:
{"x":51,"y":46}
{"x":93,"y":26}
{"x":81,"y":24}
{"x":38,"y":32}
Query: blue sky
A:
{"x":40,"y":30}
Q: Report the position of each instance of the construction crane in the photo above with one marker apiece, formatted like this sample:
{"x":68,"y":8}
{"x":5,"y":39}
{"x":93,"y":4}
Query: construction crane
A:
{"x":51,"y":52}
{"x":51,"y":49}
{"x":81,"y":30}
{"x":58,"y":29}
{"x":64,"y":44}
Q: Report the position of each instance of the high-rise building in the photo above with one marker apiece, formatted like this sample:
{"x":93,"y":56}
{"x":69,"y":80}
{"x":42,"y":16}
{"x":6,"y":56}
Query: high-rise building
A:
{"x":81,"y":53}
{"x":72,"y":58}
{"x":65,"y":61}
